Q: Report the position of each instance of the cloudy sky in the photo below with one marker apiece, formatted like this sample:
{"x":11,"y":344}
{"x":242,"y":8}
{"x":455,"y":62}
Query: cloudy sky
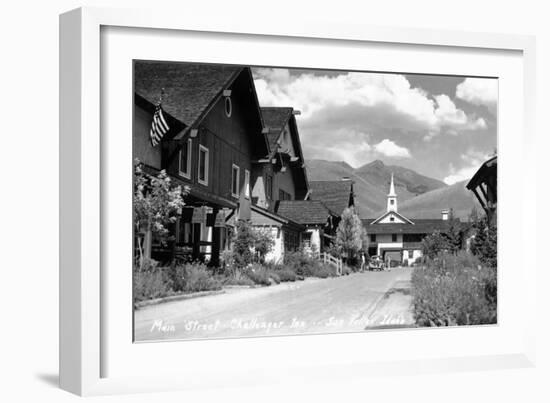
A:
{"x":440,"y":126}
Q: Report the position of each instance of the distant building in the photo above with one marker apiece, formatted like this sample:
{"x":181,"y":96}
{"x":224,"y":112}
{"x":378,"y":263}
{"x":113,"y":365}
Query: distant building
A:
{"x":320,"y":212}
{"x":398,"y":238}
{"x":484,"y":186}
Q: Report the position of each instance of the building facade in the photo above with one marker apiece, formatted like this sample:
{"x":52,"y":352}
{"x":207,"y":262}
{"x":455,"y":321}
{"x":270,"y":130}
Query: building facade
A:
{"x":238,"y":161}
{"x":398,"y":239}
{"x":216,"y":132}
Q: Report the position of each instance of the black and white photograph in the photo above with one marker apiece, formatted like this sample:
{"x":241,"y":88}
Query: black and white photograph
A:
{"x":276,"y":201}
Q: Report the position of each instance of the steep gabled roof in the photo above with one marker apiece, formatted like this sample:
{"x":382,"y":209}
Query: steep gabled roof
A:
{"x":392,"y":212}
{"x":421,"y":226}
{"x":275,"y":119}
{"x":334,"y":194}
{"x":304,"y":211}
{"x":190,"y":88}
{"x":487,"y":169}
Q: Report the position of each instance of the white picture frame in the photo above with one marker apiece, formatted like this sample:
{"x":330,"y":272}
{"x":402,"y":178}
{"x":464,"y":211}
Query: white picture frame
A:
{"x":85,"y":315}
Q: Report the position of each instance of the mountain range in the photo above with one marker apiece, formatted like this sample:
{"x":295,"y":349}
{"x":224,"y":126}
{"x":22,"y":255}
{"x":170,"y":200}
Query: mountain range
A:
{"x":419,"y":196}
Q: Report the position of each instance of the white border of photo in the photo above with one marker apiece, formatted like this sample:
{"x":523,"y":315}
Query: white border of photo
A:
{"x":97,"y":354}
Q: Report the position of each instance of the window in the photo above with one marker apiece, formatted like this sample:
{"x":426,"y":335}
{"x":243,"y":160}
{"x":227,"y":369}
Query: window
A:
{"x":306,"y":239}
{"x":203,"y":165}
{"x":392,"y":201}
{"x":392,"y":218}
{"x":373,"y":237}
{"x":247,"y":183}
{"x":185,"y":160}
{"x":394,"y":237}
{"x":228,"y":107}
{"x":410,"y":254}
{"x":235,"y":172}
{"x":269,"y":186}
{"x":284,"y":195}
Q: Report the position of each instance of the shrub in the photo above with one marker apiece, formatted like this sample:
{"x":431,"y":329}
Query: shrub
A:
{"x":286,"y":274}
{"x":150,"y":284}
{"x":434,"y":244}
{"x":324,"y":271}
{"x":193,"y":277}
{"x":301,"y":263}
{"x":262,"y":275}
{"x":454,"y":290}
{"x":250,"y":245}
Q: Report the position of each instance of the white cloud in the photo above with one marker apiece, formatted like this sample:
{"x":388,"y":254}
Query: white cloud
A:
{"x":479,"y":91}
{"x":472,"y":161}
{"x":388,"y":100}
{"x":390,"y":149}
{"x":345,"y":144}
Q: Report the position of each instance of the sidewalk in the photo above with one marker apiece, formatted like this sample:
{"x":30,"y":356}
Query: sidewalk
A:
{"x":394,"y":310}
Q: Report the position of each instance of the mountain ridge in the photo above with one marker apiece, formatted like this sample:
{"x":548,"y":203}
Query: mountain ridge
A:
{"x":418,"y":195}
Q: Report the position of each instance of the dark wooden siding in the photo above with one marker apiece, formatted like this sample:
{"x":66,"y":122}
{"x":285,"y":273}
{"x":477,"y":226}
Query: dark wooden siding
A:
{"x":229,"y":140}
{"x":141,"y":142}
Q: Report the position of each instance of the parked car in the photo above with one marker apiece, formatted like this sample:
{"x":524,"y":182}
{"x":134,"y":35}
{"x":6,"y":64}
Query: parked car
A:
{"x":376,"y":263}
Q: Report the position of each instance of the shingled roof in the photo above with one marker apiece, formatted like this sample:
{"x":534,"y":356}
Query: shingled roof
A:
{"x":189,"y":88}
{"x":304,"y":211}
{"x":334,"y":194}
{"x":420,"y":226}
{"x":275,"y":119}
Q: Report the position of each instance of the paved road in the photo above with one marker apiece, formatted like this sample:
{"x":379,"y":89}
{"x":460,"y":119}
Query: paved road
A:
{"x":312,"y":306}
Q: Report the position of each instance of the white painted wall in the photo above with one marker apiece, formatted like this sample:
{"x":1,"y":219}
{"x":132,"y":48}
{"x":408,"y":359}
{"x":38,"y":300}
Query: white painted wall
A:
{"x":315,"y":243}
{"x":388,"y":219}
{"x":277,"y":253}
{"x":416,"y":254}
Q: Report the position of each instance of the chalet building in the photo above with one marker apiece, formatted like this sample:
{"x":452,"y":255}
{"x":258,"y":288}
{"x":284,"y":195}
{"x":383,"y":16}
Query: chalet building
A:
{"x":239,"y":162}
{"x":484,"y":186}
{"x":216,"y":133}
{"x":320,"y":212}
{"x":317,"y":219}
{"x":397,"y":238}
{"x":280,"y":186}
{"x":282,"y":175}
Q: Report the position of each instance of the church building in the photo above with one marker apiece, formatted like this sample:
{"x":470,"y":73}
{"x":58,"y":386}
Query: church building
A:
{"x":397,"y":238}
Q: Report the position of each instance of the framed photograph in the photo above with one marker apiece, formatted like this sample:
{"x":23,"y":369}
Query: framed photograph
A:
{"x":242,"y":203}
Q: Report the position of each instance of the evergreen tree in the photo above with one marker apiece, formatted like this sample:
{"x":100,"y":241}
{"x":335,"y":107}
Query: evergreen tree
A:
{"x":484,"y":243}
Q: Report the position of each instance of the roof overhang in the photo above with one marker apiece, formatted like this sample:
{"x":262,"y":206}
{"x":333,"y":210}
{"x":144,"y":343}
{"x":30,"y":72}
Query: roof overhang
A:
{"x":377,"y":220}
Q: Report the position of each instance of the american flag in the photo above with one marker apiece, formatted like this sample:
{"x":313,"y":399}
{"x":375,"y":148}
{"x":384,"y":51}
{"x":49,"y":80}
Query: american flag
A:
{"x":159,"y":126}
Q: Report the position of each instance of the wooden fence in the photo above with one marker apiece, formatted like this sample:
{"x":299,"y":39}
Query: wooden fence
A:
{"x":333,"y":261}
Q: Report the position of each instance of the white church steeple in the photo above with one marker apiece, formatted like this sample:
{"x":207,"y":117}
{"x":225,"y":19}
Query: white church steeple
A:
{"x":392,"y":197}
